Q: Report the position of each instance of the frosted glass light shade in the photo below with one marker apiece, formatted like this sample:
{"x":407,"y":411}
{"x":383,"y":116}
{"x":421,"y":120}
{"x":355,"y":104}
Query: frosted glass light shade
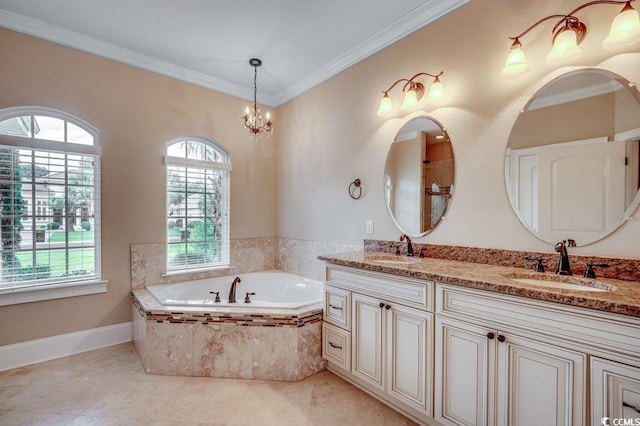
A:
{"x":436,"y":91}
{"x":564,"y":48}
{"x":386,"y":107}
{"x":625,"y":29}
{"x":516,"y":63}
{"x":410,"y":100}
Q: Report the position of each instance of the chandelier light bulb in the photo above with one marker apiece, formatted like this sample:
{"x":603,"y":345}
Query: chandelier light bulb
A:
{"x":625,"y":28}
{"x":565,"y":47}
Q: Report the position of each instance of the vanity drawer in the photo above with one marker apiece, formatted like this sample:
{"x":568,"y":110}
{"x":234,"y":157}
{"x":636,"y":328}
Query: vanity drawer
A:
{"x":336,"y":346}
{"x":337,"y":307}
{"x":391,"y":288}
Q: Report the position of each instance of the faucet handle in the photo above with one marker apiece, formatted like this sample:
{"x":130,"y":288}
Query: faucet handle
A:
{"x":539,"y":266}
{"x":570,"y":243}
{"x":422,"y":250}
{"x":247,"y":299}
{"x":217,"y":293}
{"x":397,"y":250}
{"x":590,"y":272}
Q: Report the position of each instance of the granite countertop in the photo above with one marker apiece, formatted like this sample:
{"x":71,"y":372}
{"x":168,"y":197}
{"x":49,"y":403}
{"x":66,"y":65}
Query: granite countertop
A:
{"x":621,"y":297}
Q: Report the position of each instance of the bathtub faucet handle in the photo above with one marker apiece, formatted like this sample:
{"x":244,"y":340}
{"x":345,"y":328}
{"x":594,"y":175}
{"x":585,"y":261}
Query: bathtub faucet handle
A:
{"x":217,"y":293}
{"x":246,"y":298}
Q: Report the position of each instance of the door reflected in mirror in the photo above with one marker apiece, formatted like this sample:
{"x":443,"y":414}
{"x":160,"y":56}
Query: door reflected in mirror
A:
{"x":419,"y":175}
{"x":572,"y":159}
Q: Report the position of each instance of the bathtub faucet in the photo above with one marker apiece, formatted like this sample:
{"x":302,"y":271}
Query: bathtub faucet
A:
{"x":232,"y":290}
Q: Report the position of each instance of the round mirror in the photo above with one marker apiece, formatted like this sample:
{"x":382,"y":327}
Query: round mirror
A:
{"x":418,"y":177}
{"x":571,"y":164}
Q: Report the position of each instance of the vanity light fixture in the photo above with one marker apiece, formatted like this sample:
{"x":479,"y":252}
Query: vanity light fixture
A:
{"x":413,"y":92}
{"x":254,"y":123}
{"x":569,"y":32}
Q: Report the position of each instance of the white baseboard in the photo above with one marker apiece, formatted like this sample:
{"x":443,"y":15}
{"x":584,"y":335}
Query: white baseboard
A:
{"x":45,"y":349}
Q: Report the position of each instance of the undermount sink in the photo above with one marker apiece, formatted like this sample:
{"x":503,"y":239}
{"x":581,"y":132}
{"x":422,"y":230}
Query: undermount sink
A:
{"x":562,"y":282}
{"x":393,"y":261}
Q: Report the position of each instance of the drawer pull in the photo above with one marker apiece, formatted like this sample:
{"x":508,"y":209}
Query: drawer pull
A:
{"x":381,"y":304}
{"x":335,"y":346}
{"x":491,"y":335}
{"x":339,"y":308}
{"x":501,"y":338}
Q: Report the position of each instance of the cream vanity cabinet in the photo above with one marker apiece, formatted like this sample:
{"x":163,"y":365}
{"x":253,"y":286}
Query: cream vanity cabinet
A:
{"x":386,"y":346}
{"x":504,"y":360}
{"x":615,"y":390}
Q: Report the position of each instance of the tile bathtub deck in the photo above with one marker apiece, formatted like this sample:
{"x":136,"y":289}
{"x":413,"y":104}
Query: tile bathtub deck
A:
{"x":109,"y":387}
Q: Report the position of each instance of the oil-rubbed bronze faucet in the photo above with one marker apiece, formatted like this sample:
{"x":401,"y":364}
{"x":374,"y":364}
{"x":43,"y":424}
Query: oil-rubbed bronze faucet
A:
{"x":232,"y":290}
{"x":409,"y":246}
{"x":564,"y":268}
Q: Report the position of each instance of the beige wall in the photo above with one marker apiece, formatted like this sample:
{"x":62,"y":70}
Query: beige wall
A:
{"x":136,"y":112}
{"x":333,"y":135}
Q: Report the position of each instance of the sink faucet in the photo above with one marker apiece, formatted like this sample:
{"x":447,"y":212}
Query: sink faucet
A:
{"x":409,"y":246}
{"x":232,"y":290}
{"x":564,"y":268}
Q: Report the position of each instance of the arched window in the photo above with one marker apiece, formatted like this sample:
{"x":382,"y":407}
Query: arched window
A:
{"x":49,"y":160}
{"x":198,"y":186}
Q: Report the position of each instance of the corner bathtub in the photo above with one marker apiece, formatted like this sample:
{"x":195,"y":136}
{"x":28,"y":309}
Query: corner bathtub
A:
{"x":178,"y":329}
{"x":273,"y":290}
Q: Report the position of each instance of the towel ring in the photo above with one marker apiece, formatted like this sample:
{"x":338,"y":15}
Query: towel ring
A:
{"x":355,"y":188}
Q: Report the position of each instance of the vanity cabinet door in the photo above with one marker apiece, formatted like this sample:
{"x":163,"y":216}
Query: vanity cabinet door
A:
{"x":410,"y":355}
{"x":615,"y":391}
{"x":367,"y":338}
{"x":465,"y":360}
{"x":539,"y":384}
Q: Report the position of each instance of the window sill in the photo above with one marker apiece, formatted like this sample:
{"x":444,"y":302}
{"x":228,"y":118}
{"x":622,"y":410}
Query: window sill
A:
{"x":198,"y":270}
{"x":56,"y":291}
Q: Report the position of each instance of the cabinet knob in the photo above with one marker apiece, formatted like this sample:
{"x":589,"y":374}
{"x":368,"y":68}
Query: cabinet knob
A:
{"x":491,"y":335}
{"x":382,"y":304}
{"x":387,"y":307}
{"x":501,"y":338}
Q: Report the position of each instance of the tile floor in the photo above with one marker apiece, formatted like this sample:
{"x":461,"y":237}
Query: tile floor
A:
{"x":109,"y":387}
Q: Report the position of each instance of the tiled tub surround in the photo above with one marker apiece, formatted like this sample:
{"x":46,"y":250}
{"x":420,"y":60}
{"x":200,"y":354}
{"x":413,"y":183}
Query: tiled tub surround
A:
{"x":624,"y":300}
{"x":621,"y":269}
{"x":301,"y":256}
{"x":148,"y":260}
{"x":254,"y":344}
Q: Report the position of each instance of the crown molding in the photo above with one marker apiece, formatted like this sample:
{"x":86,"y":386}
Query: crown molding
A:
{"x":418,"y":18}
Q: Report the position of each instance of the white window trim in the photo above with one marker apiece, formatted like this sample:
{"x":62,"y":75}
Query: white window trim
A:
{"x":69,"y":288}
{"x":186,"y":162}
{"x":19,"y":295}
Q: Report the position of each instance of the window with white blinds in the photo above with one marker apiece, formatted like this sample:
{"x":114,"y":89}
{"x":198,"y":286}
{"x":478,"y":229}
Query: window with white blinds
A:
{"x":49,"y":199}
{"x":198,"y":186}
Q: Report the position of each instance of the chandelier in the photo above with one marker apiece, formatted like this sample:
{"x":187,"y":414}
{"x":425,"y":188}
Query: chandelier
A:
{"x":255,"y":124}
